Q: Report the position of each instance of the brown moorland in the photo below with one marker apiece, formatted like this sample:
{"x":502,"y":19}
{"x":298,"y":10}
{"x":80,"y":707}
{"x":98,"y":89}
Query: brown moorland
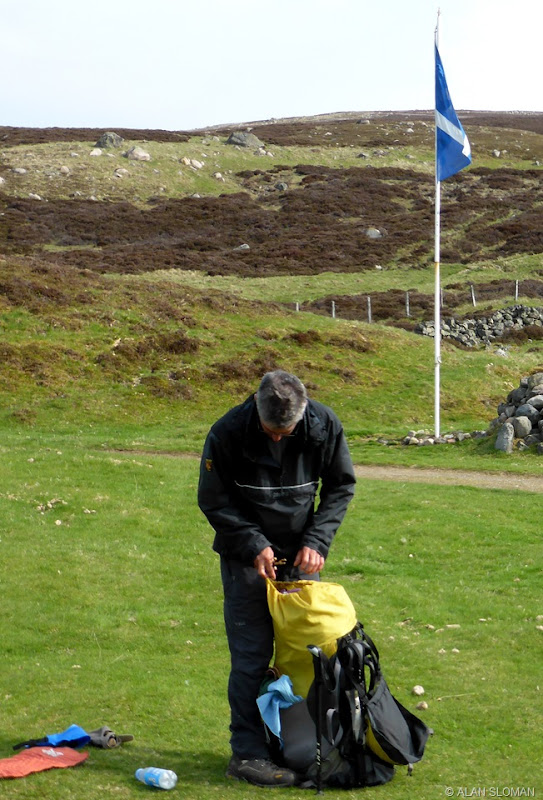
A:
{"x":308,"y":219}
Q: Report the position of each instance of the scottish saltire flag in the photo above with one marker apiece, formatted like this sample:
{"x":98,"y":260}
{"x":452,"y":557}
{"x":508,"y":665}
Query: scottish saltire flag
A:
{"x":453,"y":151}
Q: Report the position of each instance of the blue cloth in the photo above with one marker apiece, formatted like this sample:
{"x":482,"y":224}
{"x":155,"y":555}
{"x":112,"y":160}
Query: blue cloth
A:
{"x":74,"y":736}
{"x":279,"y":695}
{"x":453,"y":151}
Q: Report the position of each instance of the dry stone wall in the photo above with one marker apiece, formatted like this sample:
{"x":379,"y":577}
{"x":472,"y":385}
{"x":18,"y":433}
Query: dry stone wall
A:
{"x":518,"y":426}
{"x":519,"y":422}
{"x":479,"y":331}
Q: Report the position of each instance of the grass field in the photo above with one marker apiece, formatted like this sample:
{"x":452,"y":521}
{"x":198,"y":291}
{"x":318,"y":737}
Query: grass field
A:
{"x":114,"y":617}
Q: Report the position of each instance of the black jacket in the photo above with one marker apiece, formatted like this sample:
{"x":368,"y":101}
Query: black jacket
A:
{"x":253,"y":500}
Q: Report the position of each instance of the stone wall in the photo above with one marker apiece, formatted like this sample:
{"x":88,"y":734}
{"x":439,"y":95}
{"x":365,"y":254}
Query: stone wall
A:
{"x":520,"y":417}
{"x":479,"y":331}
{"x":519,"y":424}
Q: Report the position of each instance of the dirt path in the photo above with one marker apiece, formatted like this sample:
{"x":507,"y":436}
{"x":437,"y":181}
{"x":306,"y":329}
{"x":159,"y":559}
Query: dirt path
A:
{"x":452,"y":477}
{"x":444,"y":477}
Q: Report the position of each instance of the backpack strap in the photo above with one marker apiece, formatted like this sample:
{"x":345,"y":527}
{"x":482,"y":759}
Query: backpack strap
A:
{"x":325,"y":692}
{"x":357,"y":662}
{"x":370,"y":643}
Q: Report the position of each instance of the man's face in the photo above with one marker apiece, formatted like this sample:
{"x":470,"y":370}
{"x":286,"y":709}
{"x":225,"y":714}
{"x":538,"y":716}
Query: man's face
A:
{"x":276,"y":434}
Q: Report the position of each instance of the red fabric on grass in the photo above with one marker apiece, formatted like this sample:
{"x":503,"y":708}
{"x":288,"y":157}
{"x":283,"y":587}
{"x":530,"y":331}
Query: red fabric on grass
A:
{"x":38,"y":759}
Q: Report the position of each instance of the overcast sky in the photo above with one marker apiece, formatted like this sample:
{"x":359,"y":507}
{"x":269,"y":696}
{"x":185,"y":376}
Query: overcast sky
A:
{"x":180,"y":64}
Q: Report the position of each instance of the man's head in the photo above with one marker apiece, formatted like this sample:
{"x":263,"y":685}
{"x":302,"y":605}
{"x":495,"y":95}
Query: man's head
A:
{"x":280,"y":401}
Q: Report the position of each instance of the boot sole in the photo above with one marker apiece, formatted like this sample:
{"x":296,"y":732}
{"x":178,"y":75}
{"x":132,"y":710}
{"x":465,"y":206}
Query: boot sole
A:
{"x":242,"y":779}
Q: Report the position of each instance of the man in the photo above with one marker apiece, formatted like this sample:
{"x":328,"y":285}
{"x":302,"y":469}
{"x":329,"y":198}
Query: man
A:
{"x":262,"y":466}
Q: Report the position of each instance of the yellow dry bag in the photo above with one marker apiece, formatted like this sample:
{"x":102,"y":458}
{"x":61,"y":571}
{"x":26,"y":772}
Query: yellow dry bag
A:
{"x":307,"y":613}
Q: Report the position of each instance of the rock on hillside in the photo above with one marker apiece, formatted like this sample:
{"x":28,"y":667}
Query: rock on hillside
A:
{"x":244,"y":139}
{"x":109,"y":139}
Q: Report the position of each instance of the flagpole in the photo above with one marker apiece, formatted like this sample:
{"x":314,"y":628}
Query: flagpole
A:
{"x":453,"y":153}
{"x":437,"y":280}
{"x":437,"y":310}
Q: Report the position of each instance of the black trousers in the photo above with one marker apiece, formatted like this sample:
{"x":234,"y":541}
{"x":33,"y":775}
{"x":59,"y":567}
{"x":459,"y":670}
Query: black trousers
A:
{"x":249,"y":630}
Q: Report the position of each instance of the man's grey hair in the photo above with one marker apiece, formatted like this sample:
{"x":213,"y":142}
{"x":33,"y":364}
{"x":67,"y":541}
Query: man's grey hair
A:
{"x":280,"y":400}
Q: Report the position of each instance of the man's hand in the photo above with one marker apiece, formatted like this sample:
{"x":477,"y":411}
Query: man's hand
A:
{"x":264,"y":563}
{"x":309,"y":561}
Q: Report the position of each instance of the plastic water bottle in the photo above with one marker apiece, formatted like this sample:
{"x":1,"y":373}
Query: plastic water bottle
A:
{"x":154,"y":776}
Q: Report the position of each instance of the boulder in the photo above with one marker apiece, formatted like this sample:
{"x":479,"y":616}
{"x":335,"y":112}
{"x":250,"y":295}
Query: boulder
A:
{"x":526,"y":410}
{"x":109,"y":139}
{"x":522,"y":426}
{"x":137,"y":154}
{"x":535,"y":390}
{"x":504,"y":439}
{"x":244,"y":139}
{"x":517,"y":396}
{"x":534,"y":380}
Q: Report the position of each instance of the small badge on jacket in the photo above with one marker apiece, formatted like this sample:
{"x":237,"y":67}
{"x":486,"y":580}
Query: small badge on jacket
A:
{"x":209,"y":464}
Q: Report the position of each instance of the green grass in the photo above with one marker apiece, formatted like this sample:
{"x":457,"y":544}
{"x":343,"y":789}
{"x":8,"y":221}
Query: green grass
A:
{"x":114,"y":617}
{"x":101,"y":371}
{"x":303,"y":288}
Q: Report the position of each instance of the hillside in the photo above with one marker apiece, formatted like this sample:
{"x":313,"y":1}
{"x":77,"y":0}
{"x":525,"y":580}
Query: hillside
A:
{"x":303,"y":204}
{"x":142,"y":283}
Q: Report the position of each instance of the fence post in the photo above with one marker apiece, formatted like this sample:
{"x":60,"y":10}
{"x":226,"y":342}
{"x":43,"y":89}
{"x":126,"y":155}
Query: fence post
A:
{"x":516,"y":291}
{"x":297,"y":306}
{"x":333,"y":309}
{"x":407,"y":311}
{"x":369,"y":308}
{"x":472,"y":295}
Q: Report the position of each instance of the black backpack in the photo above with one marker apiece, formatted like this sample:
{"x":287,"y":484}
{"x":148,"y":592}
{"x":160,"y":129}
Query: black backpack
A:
{"x":350,"y":731}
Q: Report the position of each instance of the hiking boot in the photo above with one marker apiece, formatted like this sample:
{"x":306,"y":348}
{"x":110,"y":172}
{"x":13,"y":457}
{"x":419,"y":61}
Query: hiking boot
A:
{"x":259,"y":772}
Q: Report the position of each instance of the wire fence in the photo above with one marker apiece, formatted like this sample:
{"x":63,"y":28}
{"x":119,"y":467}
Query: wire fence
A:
{"x":406,"y":304}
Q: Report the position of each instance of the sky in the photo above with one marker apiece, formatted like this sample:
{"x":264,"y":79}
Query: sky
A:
{"x":183,"y":65}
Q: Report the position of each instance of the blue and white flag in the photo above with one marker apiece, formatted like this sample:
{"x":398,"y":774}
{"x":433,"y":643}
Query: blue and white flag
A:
{"x":453,"y":151}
